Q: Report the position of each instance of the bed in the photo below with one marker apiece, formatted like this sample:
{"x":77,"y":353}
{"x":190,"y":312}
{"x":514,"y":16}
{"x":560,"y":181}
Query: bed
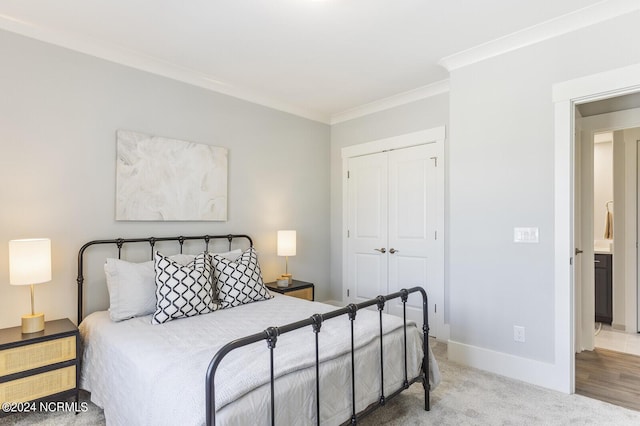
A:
{"x":279,"y":361}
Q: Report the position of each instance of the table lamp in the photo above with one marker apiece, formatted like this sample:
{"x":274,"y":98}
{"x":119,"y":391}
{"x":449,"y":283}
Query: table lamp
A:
{"x":286,"y":248}
{"x":29,"y":264}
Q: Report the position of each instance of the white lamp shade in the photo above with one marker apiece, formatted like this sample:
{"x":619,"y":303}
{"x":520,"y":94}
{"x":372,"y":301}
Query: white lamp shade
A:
{"x":29,"y":261}
{"x":286,"y":243}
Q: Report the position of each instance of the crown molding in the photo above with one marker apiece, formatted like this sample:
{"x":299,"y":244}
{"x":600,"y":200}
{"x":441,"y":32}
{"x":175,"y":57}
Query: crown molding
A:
{"x":599,"y":12}
{"x":403,"y":98}
{"x":153,"y":65}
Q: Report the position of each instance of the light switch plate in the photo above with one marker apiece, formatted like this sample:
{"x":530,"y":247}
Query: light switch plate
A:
{"x":526,"y":235}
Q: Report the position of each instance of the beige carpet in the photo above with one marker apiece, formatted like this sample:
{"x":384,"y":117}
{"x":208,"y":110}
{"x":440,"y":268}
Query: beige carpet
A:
{"x":468,"y":396}
{"x":465,"y":397}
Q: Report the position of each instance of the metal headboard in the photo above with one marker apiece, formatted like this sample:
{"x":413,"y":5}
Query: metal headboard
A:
{"x":119,"y":242}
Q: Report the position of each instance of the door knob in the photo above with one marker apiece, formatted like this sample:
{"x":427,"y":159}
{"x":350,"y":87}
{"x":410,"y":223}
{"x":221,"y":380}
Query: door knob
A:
{"x":392,"y":250}
{"x":382,"y":250}
{"x":578,"y":251}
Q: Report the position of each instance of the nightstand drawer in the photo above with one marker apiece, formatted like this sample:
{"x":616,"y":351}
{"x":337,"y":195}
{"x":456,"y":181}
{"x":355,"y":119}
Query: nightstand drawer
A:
{"x":28,"y":357}
{"x":39,"y":385}
{"x":305,"y":293}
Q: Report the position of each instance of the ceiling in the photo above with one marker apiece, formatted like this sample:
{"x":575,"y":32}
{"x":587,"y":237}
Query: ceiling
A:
{"x":604,"y":106}
{"x":314,"y":58}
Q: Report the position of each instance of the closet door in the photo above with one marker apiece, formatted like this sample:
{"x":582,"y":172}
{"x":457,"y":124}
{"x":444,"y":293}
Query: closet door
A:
{"x":413,"y":252}
{"x":392,"y":242}
{"x":367,"y":267}
{"x":393,"y":223}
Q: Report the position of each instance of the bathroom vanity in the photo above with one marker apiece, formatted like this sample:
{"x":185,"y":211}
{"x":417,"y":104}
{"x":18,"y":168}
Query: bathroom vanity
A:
{"x":604,"y":287}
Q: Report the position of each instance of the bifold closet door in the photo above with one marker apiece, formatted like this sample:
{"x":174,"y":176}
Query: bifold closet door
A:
{"x":412,"y":225}
{"x":368,"y":222}
{"x":392,"y":223}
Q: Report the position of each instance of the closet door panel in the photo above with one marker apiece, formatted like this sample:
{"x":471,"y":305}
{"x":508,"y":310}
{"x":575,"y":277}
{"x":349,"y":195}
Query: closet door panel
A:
{"x":367,"y":267}
{"x":408,"y":201}
{"x":412,"y":224}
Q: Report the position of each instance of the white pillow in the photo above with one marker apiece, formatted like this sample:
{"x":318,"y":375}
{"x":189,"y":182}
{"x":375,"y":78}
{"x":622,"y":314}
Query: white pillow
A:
{"x":132,"y":286}
{"x":239,"y":282}
{"x":182,"y":291}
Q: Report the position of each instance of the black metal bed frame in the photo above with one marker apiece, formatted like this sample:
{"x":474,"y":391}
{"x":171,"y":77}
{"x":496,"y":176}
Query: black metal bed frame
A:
{"x":270,"y":335}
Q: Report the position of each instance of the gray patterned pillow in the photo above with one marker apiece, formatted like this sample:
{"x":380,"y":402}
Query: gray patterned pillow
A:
{"x":240,"y":281}
{"x":182,"y":291}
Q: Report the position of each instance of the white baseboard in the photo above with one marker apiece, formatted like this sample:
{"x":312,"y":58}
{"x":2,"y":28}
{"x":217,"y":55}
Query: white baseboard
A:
{"x":524,"y":369}
{"x":443,"y":335}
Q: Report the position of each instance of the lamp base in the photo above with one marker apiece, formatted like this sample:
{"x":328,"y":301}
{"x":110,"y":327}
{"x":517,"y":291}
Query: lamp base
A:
{"x":32,"y":323}
{"x":287,"y":277}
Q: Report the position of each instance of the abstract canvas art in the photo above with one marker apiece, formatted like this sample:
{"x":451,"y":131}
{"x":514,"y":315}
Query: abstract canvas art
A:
{"x":161,"y":179}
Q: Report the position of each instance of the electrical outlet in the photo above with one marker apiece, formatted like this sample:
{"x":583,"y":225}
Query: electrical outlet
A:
{"x":518,"y":333}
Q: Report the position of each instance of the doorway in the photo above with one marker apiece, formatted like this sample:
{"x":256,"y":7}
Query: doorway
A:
{"x":605,"y":280}
{"x":566,"y":95}
{"x":605,"y":159}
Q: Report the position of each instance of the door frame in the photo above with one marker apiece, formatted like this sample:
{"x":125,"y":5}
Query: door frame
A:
{"x":436,"y":136}
{"x":566,"y":95}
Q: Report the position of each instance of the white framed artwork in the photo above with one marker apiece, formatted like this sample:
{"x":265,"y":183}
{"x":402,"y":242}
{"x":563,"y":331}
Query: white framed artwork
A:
{"x":162,"y":179}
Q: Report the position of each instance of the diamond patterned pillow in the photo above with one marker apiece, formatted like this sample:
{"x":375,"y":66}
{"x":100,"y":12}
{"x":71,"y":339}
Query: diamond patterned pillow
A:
{"x":182,"y":291}
{"x":240,"y":281}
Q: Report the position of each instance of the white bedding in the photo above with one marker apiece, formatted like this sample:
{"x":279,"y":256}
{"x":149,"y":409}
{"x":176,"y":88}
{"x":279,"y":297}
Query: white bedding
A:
{"x":143,"y":374}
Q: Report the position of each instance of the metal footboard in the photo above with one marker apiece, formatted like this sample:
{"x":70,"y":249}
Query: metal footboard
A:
{"x":270,"y":335}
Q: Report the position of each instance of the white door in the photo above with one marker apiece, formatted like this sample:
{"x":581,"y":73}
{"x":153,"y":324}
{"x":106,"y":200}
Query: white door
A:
{"x":583,"y":236}
{"x":637,"y":236}
{"x":368,"y":217}
{"x":413,"y":250}
{"x":392,"y":228}
{"x":577,"y":234}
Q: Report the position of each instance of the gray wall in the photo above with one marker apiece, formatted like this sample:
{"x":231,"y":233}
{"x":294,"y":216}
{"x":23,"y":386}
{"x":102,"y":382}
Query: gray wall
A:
{"x":501,"y":175}
{"x":59,"y":113}
{"x":420,"y":115}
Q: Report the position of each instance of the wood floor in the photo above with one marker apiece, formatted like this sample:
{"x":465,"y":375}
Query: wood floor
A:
{"x":609,"y":376}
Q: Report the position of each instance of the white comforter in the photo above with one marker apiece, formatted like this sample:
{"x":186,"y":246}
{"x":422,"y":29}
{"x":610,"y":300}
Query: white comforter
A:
{"x":143,"y":374}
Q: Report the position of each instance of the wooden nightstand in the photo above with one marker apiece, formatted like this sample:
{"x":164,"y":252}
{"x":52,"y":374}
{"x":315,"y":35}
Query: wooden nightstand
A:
{"x":299,"y":289}
{"x":39,"y":366}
